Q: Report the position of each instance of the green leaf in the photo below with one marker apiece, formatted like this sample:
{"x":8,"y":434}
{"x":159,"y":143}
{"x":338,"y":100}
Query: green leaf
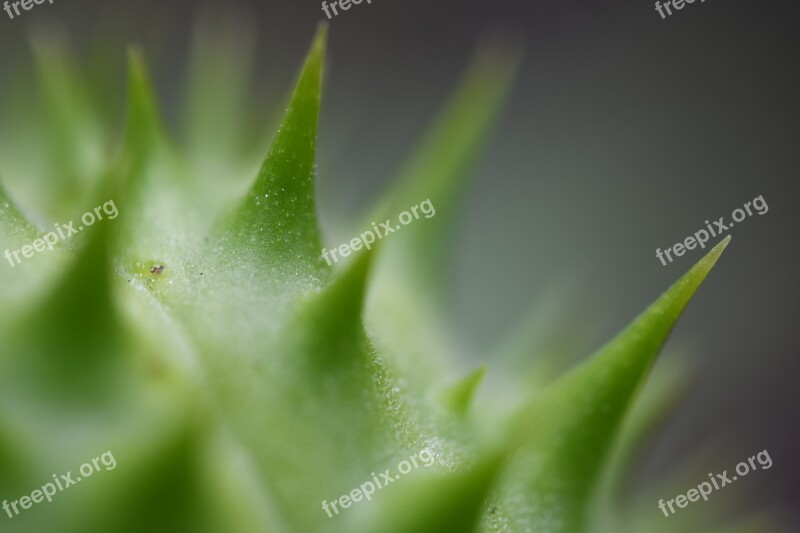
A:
{"x":566,"y":435}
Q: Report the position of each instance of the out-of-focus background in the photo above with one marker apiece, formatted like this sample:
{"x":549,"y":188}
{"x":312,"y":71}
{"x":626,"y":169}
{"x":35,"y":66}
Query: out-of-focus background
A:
{"x":624,"y":133}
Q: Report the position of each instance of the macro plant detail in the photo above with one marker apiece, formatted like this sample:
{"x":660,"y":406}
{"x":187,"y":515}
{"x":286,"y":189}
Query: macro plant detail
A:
{"x":239,"y":377}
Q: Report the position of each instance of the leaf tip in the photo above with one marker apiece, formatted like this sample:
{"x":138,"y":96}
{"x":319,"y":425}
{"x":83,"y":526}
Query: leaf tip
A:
{"x":321,"y":37}
{"x":459,"y":396}
{"x":143,"y":119}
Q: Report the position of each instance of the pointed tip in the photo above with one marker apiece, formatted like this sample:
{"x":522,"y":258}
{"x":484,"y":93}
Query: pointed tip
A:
{"x":135,"y":60}
{"x":321,"y":37}
{"x":87,"y":280}
{"x":348,"y":289}
{"x":650,"y":330}
{"x":566,"y":433}
{"x":141,"y":93}
{"x":705,"y":264}
{"x":80,"y":318}
{"x":683,"y":290}
{"x":143,"y":121}
{"x":216,"y":115}
{"x":278,"y":216}
{"x":459,"y":396}
{"x":48,"y":40}
{"x":717,"y":250}
{"x":313,"y":66}
{"x":329,"y":327}
{"x":440,"y":166}
{"x":74,"y":144}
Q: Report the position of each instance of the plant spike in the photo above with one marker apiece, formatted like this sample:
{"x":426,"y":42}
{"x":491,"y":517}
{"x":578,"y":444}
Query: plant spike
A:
{"x":144,"y":130}
{"x":278,"y":217}
{"x":323,"y":328}
{"x":459,"y":396}
{"x":438,"y":167}
{"x":69,"y":116}
{"x":71,"y":352}
{"x":566,"y":434}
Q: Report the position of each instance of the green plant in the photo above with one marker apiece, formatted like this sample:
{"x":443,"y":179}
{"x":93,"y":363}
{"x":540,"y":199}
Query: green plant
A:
{"x":239,"y":387}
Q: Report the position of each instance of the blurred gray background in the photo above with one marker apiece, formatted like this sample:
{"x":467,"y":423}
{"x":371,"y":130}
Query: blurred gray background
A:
{"x":624,"y":133}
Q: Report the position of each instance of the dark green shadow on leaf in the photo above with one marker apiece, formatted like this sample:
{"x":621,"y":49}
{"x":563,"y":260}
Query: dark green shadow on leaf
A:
{"x":434,"y":503}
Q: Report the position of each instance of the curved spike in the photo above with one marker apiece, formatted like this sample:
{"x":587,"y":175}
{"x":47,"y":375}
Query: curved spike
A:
{"x":70,"y":335}
{"x":438,"y":168}
{"x":144,"y":140}
{"x":278,"y":217}
{"x":76,"y":139}
{"x":325,"y":362}
{"x":329,"y":324}
{"x":143,"y":124}
{"x":458,"y":397}
{"x":567,"y":433}
{"x":437,"y":165}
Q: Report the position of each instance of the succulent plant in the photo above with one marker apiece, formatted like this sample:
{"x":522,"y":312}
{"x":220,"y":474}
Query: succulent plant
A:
{"x":238,"y":379}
